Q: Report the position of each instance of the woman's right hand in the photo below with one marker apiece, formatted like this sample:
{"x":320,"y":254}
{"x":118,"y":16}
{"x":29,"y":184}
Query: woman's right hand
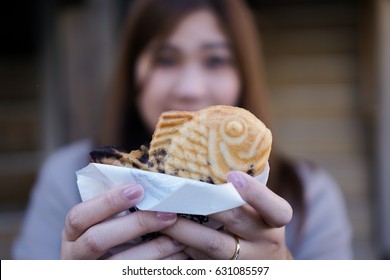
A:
{"x":90,"y":234}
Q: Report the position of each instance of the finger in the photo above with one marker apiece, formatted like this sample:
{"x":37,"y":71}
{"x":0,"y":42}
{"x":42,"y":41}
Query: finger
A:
{"x":213,"y":243}
{"x":178,"y":256}
{"x":97,"y":240}
{"x":275,"y":210}
{"x":196,"y":254}
{"x":88,"y":213}
{"x":242,"y":221}
{"x":162,"y":247}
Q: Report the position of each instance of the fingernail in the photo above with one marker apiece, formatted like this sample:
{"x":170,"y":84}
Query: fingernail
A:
{"x":133,"y":192}
{"x":165,"y":216}
{"x":236,"y":179}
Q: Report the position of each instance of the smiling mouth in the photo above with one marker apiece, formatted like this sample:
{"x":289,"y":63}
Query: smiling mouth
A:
{"x":189,"y":107}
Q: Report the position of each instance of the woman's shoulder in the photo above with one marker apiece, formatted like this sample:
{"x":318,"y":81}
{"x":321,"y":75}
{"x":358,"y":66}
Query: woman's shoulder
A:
{"x":327,"y":230}
{"x":316,"y":180}
{"x":54,"y":193}
{"x":71,"y":156}
{"x":57,"y":176}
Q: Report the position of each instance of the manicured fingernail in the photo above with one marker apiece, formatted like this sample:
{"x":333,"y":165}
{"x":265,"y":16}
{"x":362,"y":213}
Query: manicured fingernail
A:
{"x":133,"y":192}
{"x":165,"y":216}
{"x":236,"y":179}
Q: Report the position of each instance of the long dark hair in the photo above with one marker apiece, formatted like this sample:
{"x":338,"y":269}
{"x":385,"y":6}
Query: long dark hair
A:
{"x":153,"y":20}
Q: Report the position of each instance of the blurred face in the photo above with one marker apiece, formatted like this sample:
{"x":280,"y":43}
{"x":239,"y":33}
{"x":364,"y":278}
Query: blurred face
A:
{"x":192,"y":69}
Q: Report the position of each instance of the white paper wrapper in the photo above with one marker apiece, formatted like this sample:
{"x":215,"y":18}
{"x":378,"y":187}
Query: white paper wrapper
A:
{"x":162,"y":192}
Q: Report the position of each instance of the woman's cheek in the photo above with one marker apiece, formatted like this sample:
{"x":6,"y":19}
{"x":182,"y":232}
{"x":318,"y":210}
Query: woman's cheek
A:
{"x":163,"y":82}
{"x":226,"y":89}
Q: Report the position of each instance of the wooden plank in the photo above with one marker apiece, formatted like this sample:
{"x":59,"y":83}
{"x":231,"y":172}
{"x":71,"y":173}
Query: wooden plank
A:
{"x":316,"y":13}
{"x":315,"y":135}
{"x":314,"y":100}
{"x":309,"y":40}
{"x":301,"y":69}
{"x":19,"y":79}
{"x":15,"y":190}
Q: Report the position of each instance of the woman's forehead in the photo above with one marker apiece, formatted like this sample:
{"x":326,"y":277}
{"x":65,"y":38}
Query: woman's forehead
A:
{"x":200,"y":27}
{"x":198,"y":31}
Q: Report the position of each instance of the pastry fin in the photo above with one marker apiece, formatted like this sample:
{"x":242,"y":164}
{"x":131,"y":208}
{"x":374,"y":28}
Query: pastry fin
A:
{"x":167,"y":127}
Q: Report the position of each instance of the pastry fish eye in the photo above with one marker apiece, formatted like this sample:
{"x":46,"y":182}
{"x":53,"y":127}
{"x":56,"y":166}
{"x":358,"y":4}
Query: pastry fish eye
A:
{"x":234,"y":128}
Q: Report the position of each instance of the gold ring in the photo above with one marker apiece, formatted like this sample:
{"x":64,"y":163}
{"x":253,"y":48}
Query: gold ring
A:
{"x":237,"y":250}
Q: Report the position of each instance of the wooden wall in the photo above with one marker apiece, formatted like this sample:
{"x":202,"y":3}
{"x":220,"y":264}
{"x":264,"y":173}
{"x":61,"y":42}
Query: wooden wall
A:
{"x":20,"y":118}
{"x":312,"y":59}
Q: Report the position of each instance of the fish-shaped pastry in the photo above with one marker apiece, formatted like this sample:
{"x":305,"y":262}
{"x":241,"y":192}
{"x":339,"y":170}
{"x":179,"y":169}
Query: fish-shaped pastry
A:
{"x":203,"y":145}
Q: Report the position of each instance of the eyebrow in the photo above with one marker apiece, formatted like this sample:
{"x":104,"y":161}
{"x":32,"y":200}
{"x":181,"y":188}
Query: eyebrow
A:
{"x":206,"y":46}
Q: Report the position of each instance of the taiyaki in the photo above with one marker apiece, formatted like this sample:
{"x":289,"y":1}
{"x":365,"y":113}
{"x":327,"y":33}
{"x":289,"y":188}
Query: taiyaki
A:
{"x":203,"y":145}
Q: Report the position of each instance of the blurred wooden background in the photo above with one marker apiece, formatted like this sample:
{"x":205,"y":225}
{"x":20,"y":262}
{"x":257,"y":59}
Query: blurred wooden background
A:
{"x":321,"y":60}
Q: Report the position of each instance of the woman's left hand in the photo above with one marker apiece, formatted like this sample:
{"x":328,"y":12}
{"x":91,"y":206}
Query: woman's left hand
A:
{"x":259,"y":226}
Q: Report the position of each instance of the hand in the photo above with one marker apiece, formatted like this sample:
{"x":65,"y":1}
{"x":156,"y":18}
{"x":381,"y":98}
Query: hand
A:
{"x":258,"y":225}
{"x":92,"y":229}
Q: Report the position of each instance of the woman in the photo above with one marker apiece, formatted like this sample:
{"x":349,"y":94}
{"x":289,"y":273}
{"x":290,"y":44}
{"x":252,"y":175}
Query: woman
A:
{"x":202,"y":53}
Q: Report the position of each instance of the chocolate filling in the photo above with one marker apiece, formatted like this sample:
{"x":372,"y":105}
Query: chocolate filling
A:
{"x":105,"y":152}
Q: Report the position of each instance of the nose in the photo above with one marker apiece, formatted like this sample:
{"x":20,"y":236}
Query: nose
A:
{"x":191,"y":83}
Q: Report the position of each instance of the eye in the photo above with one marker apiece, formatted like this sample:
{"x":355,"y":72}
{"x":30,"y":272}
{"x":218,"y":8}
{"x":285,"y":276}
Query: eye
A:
{"x":165,"y":61}
{"x":217,"y":61}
